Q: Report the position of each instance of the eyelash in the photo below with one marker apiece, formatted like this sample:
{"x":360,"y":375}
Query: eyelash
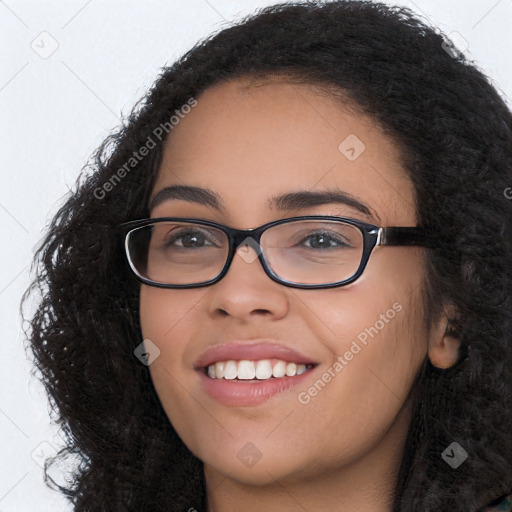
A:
{"x":179,"y":234}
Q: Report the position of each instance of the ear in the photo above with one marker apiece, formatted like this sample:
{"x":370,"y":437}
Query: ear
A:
{"x":444,"y":341}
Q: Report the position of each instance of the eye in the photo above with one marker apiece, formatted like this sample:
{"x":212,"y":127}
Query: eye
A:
{"x":189,"y":238}
{"x":325,"y":240}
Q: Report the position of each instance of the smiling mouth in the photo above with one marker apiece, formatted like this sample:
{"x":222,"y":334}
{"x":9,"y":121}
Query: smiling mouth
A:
{"x":255,"y":370}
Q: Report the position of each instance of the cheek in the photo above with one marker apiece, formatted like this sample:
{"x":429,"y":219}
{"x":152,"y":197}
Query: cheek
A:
{"x":376,"y":350}
{"x":374,"y":329}
{"x":167,"y":319}
{"x":166,"y":312}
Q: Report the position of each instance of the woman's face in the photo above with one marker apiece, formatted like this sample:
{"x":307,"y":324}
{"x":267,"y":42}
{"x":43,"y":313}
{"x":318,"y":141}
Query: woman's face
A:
{"x":248,"y":145}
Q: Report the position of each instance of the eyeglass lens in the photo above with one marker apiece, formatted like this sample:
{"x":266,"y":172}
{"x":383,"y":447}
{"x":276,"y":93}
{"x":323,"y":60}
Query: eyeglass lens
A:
{"x":302,"y":252}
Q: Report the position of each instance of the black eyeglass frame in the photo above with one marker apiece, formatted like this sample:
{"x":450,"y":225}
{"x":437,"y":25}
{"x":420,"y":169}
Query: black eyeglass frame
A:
{"x":372,"y":236}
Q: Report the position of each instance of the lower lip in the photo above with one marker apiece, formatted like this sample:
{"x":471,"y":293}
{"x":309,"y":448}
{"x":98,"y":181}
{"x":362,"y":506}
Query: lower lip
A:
{"x":238,"y":393}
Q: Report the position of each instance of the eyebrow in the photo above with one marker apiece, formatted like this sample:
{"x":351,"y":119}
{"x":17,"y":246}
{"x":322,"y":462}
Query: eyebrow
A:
{"x":300,"y":200}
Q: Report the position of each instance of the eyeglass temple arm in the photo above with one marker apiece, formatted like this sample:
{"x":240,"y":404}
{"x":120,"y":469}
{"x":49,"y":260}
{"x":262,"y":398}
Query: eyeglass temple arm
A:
{"x":403,"y":236}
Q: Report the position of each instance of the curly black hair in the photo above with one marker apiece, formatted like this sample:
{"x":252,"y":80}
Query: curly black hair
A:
{"x":454,"y":133}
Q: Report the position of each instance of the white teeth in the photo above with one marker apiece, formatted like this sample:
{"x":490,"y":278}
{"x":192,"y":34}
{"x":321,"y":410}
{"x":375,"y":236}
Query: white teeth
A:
{"x":301,"y":368}
{"x":263,"y":369}
{"x":291,"y":369}
{"x":246,"y":370}
{"x":230,"y":370}
{"x":279,"y":369}
{"x":219,"y":369}
{"x":250,"y":370}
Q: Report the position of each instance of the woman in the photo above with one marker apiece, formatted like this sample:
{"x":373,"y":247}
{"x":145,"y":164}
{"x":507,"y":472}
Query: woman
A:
{"x":318,"y":362}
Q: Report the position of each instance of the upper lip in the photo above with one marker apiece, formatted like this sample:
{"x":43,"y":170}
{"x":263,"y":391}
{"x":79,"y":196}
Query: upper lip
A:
{"x":254,"y":350}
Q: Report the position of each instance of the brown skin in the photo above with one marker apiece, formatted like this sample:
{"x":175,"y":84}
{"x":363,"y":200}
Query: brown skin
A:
{"x":342,"y":450}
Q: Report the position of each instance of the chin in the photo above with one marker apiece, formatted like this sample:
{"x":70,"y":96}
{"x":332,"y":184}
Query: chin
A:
{"x":259,"y":475}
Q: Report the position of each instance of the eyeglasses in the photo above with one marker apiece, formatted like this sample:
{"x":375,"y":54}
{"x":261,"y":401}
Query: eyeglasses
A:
{"x":315,"y":251}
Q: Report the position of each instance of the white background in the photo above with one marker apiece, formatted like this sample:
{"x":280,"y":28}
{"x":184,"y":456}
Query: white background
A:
{"x":56,"y":111}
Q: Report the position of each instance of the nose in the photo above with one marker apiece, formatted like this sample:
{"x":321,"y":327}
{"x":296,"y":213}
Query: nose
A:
{"x":248,"y":249}
{"x":246,"y":289}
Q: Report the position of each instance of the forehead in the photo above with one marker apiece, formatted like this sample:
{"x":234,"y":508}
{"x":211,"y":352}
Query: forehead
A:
{"x":251,"y":142}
